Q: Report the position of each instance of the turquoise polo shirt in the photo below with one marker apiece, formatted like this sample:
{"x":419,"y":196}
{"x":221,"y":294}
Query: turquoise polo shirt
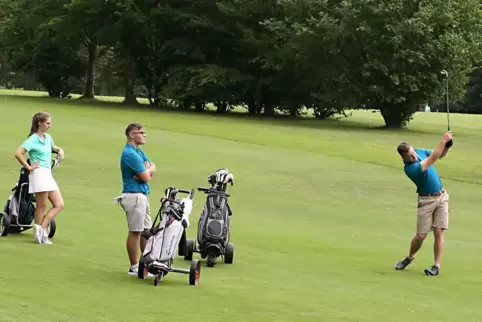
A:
{"x":38,"y":150}
{"x":426,"y":182}
{"x":132,"y":163}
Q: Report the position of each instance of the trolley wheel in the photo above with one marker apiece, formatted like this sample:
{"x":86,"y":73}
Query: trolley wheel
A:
{"x":157,"y":280}
{"x":159,"y":277}
{"x":229,"y":254}
{"x":52,"y":227}
{"x":142,"y":272}
{"x":189,"y":249}
{"x":195,"y":272}
{"x":5,"y":224}
{"x":211,"y":261}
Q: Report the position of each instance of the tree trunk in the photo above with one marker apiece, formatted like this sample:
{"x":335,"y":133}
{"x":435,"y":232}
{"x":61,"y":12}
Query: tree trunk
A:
{"x":89,"y":83}
{"x":53,"y":88}
{"x":294,"y":110}
{"x":257,"y":97}
{"x":396,"y":116}
{"x":221,"y":107}
{"x":129,"y":81}
{"x":269,"y":109}
{"x":199,"y":106}
{"x":252,"y":107}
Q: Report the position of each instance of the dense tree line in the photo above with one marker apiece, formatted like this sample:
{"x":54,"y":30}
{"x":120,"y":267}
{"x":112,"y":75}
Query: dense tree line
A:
{"x":269,"y":56}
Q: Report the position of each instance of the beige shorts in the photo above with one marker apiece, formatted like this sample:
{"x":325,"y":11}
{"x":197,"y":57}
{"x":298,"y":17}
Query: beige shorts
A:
{"x":433,"y":212}
{"x":138,"y":212}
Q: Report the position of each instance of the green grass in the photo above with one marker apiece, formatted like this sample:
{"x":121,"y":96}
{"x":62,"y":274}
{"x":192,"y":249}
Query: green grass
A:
{"x":321,"y":213}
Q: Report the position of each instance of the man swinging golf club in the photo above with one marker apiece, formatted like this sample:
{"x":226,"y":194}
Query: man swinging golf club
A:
{"x":433,"y":200}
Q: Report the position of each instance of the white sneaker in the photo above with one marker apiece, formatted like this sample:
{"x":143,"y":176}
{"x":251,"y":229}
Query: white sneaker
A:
{"x":45,"y":238}
{"x":134,"y":271}
{"x":38,"y":233}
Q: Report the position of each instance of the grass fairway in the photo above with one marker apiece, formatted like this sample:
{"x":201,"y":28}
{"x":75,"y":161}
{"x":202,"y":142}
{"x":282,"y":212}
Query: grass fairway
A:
{"x":321,"y":213}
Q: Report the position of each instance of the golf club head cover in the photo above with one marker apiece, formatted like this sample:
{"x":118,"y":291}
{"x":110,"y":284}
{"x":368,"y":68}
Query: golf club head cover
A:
{"x":449,"y":144}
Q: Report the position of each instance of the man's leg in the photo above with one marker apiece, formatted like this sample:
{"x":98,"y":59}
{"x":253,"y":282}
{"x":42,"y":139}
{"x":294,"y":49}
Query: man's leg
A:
{"x":438,"y":245}
{"x":132,"y":245}
{"x":135,"y":209}
{"x":425,"y":208}
{"x":416,"y":244}
{"x":440,"y":223}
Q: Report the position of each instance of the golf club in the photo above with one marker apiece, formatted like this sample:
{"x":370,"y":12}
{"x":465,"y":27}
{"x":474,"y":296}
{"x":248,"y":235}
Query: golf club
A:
{"x":446,"y":74}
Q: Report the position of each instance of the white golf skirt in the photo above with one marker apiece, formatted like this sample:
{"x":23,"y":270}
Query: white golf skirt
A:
{"x":41,"y":180}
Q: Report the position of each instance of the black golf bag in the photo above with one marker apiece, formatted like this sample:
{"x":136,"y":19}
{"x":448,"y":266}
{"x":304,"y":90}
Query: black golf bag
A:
{"x":19,"y":210}
{"x":214,"y":224}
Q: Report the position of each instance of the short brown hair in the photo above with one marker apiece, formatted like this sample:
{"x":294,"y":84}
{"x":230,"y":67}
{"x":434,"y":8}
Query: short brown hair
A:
{"x":133,"y":126}
{"x":403,"y":148}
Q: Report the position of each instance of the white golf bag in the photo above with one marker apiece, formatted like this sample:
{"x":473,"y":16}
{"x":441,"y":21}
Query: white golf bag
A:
{"x":165,"y":235}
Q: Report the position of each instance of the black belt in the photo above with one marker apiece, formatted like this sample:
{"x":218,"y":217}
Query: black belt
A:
{"x":435,"y":194}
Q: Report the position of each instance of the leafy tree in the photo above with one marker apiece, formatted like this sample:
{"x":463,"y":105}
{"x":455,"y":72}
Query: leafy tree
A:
{"x":473,"y":99}
{"x":32,"y":45}
{"x":90,"y":21}
{"x":395,"y":50}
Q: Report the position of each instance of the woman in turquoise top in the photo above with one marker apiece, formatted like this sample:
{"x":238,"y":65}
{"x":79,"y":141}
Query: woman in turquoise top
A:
{"x":39,"y":146}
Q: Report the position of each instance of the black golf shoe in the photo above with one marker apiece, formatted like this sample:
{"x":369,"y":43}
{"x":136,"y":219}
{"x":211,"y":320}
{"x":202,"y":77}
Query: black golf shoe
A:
{"x":432,"y":271}
{"x":403,"y":263}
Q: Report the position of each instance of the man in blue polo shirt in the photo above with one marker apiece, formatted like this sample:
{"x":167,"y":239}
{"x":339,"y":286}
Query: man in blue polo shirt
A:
{"x":433,"y":200}
{"x":137,"y":170}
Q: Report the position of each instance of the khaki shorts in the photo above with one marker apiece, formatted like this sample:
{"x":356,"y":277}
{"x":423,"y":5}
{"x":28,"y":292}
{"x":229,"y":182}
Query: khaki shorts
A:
{"x":433,"y":212}
{"x":138,"y":212}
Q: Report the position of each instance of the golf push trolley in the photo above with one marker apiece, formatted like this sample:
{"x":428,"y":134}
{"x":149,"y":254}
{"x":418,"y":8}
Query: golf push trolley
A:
{"x":19,"y":211}
{"x":167,"y":234}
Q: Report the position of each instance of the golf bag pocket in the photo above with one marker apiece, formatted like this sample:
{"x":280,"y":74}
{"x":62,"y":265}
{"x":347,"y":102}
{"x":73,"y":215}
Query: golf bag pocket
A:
{"x":213,"y":225}
{"x":162,"y":245}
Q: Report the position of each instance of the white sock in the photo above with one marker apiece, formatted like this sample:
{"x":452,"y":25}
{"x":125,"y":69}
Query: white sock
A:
{"x":134,"y":267}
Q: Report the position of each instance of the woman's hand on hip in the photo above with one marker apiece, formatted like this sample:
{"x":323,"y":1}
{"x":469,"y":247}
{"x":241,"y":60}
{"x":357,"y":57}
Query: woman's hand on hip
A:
{"x":33,"y":166}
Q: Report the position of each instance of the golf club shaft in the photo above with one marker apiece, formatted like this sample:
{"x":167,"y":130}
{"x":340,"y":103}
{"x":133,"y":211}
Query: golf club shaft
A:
{"x":448,"y":119}
{"x":447,"y":95}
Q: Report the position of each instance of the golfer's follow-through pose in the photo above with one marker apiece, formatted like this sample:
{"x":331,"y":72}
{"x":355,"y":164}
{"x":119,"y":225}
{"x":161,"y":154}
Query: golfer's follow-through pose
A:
{"x":136,"y":169}
{"x":39,"y":146}
{"x":433,"y":200}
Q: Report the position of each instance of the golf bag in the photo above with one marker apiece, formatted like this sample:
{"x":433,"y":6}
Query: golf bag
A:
{"x":19,"y":206}
{"x":168,"y":227}
{"x":19,"y":210}
{"x":213,"y":227}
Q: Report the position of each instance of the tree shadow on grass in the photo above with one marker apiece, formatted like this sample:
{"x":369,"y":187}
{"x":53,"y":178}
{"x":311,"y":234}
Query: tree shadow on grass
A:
{"x":342,"y":123}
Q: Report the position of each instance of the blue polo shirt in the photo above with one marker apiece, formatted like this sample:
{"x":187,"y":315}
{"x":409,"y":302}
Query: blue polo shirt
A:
{"x":132,"y":163}
{"x":426,"y":182}
{"x":39,"y":150}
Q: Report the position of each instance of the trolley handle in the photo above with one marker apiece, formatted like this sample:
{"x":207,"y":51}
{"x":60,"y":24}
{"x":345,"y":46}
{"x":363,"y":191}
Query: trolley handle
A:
{"x":171,"y":193}
{"x":211,"y":190}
